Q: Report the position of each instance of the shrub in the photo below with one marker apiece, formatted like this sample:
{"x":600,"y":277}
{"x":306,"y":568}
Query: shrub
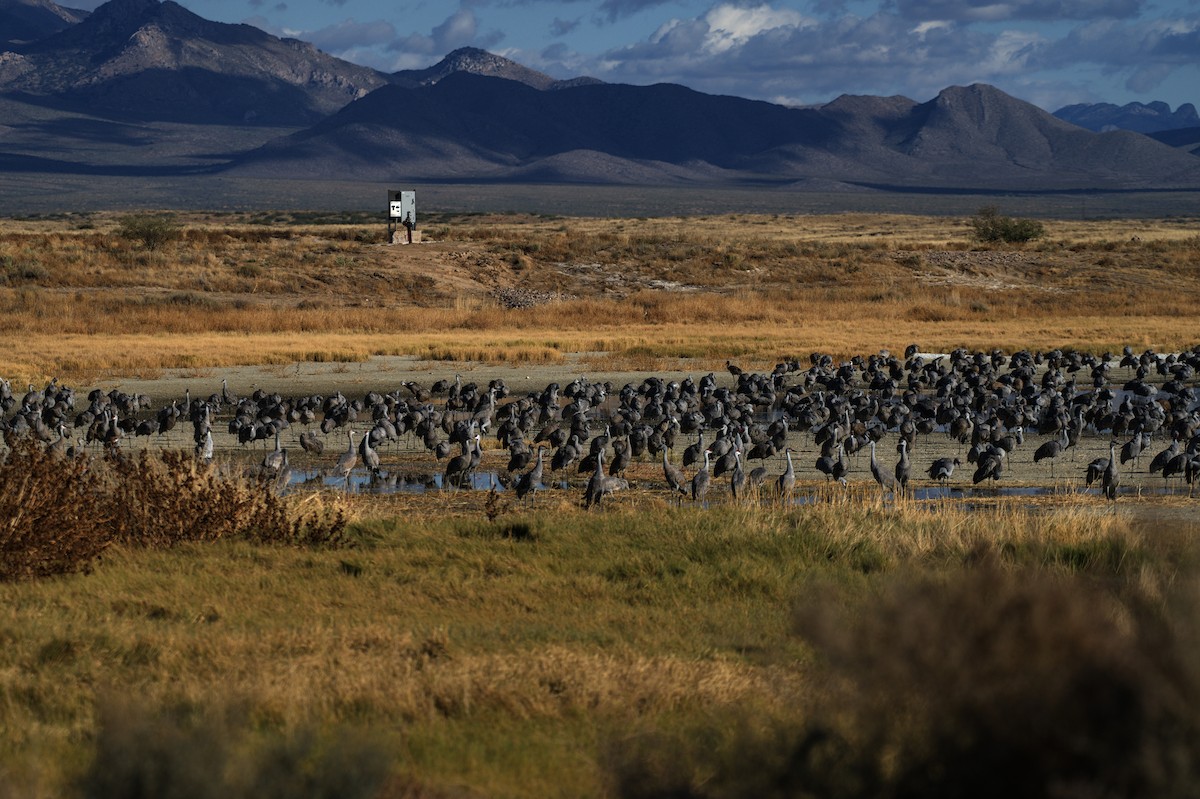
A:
{"x":50,"y":519}
{"x":990,"y":683}
{"x":990,"y":226}
{"x":58,"y":513}
{"x":152,"y":231}
{"x":182,"y":752}
{"x":164,"y":498}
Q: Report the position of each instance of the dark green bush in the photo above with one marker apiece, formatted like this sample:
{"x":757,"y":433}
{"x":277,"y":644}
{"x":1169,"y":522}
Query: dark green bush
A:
{"x":990,"y":226}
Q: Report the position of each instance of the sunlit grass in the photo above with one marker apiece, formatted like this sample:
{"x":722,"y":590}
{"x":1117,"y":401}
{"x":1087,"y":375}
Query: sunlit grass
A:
{"x":84,"y":303}
{"x":437,"y":631}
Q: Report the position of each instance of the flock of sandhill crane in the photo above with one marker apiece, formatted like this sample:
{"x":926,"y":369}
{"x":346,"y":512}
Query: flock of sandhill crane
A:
{"x":981,"y":405}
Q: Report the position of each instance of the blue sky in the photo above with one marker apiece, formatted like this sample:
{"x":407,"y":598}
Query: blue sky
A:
{"x":790,"y":51}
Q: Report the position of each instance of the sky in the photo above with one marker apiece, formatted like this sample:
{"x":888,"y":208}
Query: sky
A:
{"x":797,"y":52}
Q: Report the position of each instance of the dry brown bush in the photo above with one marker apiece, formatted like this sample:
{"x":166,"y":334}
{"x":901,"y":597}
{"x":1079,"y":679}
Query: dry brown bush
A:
{"x":51,"y":521}
{"x":164,"y":498}
{"x":60,"y":513}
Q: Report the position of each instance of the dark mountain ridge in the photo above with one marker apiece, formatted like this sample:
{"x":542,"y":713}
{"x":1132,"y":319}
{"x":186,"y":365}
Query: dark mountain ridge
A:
{"x":475,"y":126}
{"x":107,"y":90}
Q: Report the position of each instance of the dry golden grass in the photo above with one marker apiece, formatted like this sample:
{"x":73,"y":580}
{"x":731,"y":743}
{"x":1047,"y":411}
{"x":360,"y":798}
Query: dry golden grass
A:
{"x":84,"y":303}
{"x":438,"y":632}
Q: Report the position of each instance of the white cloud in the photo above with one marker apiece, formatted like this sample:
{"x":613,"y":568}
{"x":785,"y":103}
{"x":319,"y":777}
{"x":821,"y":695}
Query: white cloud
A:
{"x":1010,"y":52}
{"x":732,"y":26}
{"x":767,"y":52}
{"x":931,"y":25}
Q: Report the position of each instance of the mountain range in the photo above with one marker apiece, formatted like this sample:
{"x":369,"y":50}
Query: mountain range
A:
{"x":1141,"y":117}
{"x":147,"y":87}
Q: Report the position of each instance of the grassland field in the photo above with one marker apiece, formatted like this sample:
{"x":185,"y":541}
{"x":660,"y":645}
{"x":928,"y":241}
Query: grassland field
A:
{"x":462,"y":646}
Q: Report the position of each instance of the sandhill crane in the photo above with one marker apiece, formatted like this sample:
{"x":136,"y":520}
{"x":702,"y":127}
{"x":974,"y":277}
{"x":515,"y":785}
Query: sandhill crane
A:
{"x":59,"y":446}
{"x":942,"y":469}
{"x":458,"y":467}
{"x":529,"y":482}
{"x":989,"y":465}
{"x":1163,"y":458}
{"x":1011,"y":441}
{"x":1111,"y":479}
{"x":824,"y":464}
{"x":756,"y":478}
{"x":348,"y":460}
{"x":726,"y":462}
{"x":204,"y":450}
{"x":368,"y":454}
{"x":621,"y":458}
{"x":310,"y":443}
{"x":737,"y":476}
{"x":1132,"y":449}
{"x":886,"y":481}
{"x":692,"y":453}
{"x":601,"y":485}
{"x":566,"y":455}
{"x":674,"y":477}
{"x":272,"y":462}
{"x":519,"y":454}
{"x":903,"y":468}
{"x":701,"y":480}
{"x":787,"y":481}
{"x":1051,"y":450}
{"x":594,"y":489}
{"x":838,"y":472}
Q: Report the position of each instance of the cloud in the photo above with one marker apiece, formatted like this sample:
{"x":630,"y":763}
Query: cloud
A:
{"x":561,"y":27}
{"x":1147,"y":78}
{"x":612,"y":10}
{"x":1116,"y":45}
{"x":350,"y":35}
{"x":1008,"y":10}
{"x":457,"y":30}
{"x":460,"y":29}
{"x":732,"y":26}
{"x":785,"y":53}
{"x":769,"y":52}
{"x":752,"y":53}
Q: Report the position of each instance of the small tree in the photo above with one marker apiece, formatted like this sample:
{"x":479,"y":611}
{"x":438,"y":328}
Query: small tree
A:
{"x":990,"y":226}
{"x":151,"y":230}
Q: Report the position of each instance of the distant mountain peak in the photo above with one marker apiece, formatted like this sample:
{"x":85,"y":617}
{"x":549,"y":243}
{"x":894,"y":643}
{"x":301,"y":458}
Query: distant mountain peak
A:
{"x":475,"y":61}
{"x":23,"y":21}
{"x":122,"y":15}
{"x":155,"y":59}
{"x":1149,"y":117}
